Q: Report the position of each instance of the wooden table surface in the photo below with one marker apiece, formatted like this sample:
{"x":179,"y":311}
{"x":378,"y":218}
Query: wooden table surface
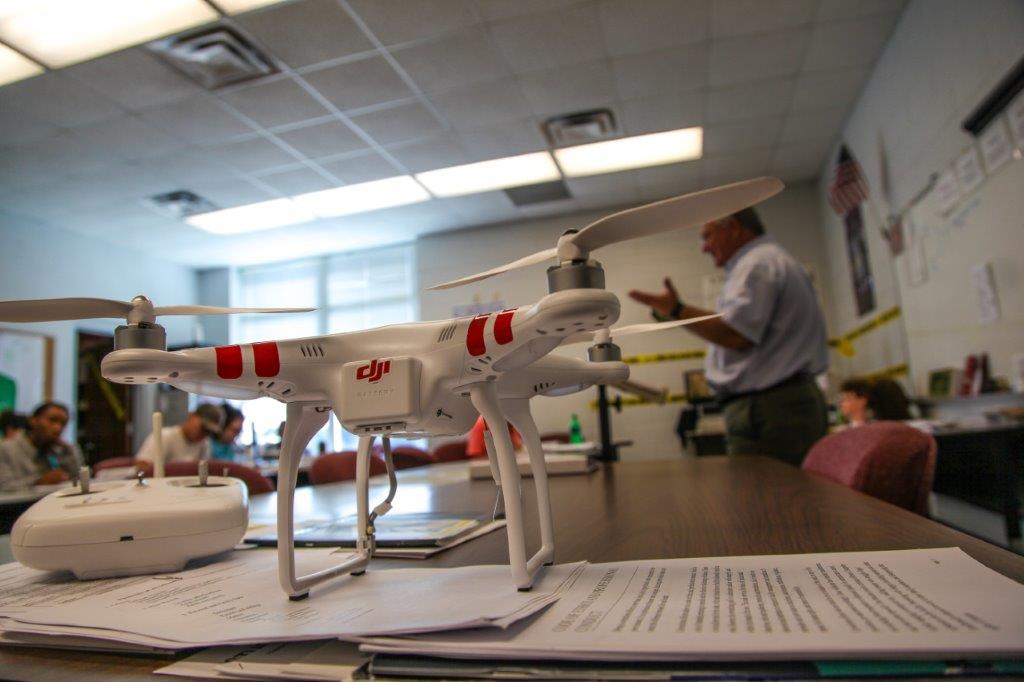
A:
{"x":711,"y":506}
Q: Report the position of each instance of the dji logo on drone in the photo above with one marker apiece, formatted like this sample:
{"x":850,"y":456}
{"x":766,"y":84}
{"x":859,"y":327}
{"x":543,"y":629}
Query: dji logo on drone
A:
{"x":374,"y":371}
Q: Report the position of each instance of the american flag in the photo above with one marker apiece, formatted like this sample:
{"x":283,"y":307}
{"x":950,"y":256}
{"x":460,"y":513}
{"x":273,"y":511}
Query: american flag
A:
{"x":848,"y":187}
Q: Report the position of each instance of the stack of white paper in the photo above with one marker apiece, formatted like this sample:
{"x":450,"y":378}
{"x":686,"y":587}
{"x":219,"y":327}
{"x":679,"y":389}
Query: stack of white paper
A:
{"x":315,"y":660}
{"x":936,"y":603}
{"x":236,"y":600}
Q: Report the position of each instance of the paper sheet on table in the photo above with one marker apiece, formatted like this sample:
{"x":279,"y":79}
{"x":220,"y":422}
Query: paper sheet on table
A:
{"x":316,"y":660}
{"x":236,"y":600}
{"x":897,"y":604}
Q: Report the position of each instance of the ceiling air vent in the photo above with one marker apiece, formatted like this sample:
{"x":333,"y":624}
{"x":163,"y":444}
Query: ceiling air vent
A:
{"x":215,"y":57}
{"x":580,"y":128}
{"x":179,"y":204}
{"x":539,"y":193}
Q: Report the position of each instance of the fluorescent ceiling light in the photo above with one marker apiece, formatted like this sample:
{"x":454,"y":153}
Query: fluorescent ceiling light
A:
{"x":62,"y":32}
{"x":366,"y":196}
{"x":239,"y":6}
{"x":512,"y":171}
{"x":252,"y":217}
{"x":656,"y":149}
{"x":14,"y":67}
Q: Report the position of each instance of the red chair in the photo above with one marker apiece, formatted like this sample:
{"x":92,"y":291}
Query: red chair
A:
{"x":451,"y":452}
{"x":112,"y":463}
{"x":888,"y":460}
{"x":407,"y":457}
{"x":256,"y":482}
{"x":555,"y":437}
{"x":341,"y":466}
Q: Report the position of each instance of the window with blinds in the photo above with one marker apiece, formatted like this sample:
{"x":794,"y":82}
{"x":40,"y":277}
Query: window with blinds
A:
{"x":350,"y":291}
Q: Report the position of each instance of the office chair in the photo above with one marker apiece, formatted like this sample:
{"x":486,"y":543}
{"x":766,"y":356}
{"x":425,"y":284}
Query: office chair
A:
{"x":887,"y":459}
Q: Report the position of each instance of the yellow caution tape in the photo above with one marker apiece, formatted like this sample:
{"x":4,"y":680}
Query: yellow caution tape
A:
{"x":632,"y":401}
{"x":844,"y":344}
{"x":668,"y":356}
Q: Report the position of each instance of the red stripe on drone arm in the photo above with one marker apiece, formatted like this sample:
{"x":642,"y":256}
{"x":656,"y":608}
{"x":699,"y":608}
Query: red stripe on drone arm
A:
{"x":229,"y":362}
{"x":475,"y":336}
{"x":503,"y":326}
{"x":266,"y":358}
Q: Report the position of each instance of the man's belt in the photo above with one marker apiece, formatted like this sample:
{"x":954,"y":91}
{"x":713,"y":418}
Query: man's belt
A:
{"x":724,"y":399}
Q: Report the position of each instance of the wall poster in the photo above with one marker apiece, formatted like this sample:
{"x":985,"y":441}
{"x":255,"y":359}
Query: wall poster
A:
{"x":26,"y":370}
{"x":860,"y":264}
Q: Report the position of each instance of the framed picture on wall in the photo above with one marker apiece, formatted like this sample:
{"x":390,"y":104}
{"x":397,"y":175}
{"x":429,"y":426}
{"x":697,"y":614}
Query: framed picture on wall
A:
{"x":943,"y":383}
{"x":26,"y":370}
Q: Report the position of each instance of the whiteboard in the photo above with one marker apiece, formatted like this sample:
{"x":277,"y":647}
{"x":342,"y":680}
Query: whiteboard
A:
{"x":26,"y":362}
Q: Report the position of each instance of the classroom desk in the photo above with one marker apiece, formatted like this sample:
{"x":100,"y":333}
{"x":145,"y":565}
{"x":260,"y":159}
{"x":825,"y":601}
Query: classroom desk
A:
{"x":983,"y":465}
{"x":709,"y":506}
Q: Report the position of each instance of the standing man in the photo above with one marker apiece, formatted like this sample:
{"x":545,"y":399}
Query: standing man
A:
{"x":38,"y":456}
{"x":187,"y":442}
{"x":767,"y":347}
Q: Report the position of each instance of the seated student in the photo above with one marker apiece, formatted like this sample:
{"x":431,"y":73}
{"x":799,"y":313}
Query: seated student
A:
{"x":187,"y":442}
{"x":223,"y":446}
{"x":862,"y":401}
{"x":11,"y":424}
{"x":38,"y":456}
{"x":475,"y":445}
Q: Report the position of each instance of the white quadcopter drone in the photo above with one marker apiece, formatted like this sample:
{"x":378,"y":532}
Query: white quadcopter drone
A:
{"x":419,"y":379}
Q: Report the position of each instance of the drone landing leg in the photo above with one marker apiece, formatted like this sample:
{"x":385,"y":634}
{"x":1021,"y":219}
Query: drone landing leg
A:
{"x":492,"y":459}
{"x":364,"y":537}
{"x":303,"y":420}
{"x":485,"y":400}
{"x":518,"y":412}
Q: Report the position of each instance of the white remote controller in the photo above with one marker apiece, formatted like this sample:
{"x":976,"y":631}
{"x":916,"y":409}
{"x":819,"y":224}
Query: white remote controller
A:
{"x":135,"y":527}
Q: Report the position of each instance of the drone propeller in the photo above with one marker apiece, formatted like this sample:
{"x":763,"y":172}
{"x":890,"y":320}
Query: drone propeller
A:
{"x":687,"y":210}
{"x":604,"y":335}
{"x":139,"y":309}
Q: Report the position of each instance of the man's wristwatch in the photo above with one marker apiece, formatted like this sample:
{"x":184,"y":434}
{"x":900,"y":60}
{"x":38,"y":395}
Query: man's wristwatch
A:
{"x":676,"y":314}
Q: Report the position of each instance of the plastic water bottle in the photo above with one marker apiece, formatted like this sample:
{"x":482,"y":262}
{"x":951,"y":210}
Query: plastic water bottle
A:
{"x":575,"y":430}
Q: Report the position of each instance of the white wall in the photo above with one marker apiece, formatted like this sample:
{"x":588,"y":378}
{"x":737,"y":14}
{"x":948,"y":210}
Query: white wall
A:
{"x":943,"y":58}
{"x":39,"y":261}
{"x":791,"y":218}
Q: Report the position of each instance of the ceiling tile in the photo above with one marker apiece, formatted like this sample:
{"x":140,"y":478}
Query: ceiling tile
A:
{"x":358,"y":84}
{"x":735,"y":137}
{"x":481,"y":209}
{"x":438,"y":152}
{"x":630,"y":27}
{"x":743,"y":17}
{"x":398,"y":21}
{"x":613,"y":187}
{"x":18,"y":126}
{"x":274,"y":103}
{"x":813,"y":124}
{"x":306,"y":32}
{"x":669,"y":180}
{"x":452,"y":61}
{"x":752,"y":100}
{"x":492,"y":10}
{"x":252,"y":156}
{"x":398,"y":124}
{"x":198,"y":120}
{"x":323,"y":139}
{"x":41,"y":161}
{"x":839,"y":88}
{"x":840,"y":44}
{"x":677,"y":69}
{"x":189,"y":167}
{"x":752,"y":58}
{"x":831,"y":10}
{"x":126,"y":137}
{"x":134,"y":79}
{"x":508,"y":139}
{"x":482,"y":105}
{"x":550,"y":39}
{"x":360,"y":168}
{"x":734,"y":167}
{"x":668,"y":112}
{"x":232,"y":192}
{"x":802,"y":155}
{"x":296,"y":181}
{"x":569,"y":89}
{"x":60,"y":100}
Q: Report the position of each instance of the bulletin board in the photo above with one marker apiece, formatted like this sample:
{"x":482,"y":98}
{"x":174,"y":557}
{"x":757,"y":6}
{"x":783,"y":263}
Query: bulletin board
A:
{"x":26,"y":370}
